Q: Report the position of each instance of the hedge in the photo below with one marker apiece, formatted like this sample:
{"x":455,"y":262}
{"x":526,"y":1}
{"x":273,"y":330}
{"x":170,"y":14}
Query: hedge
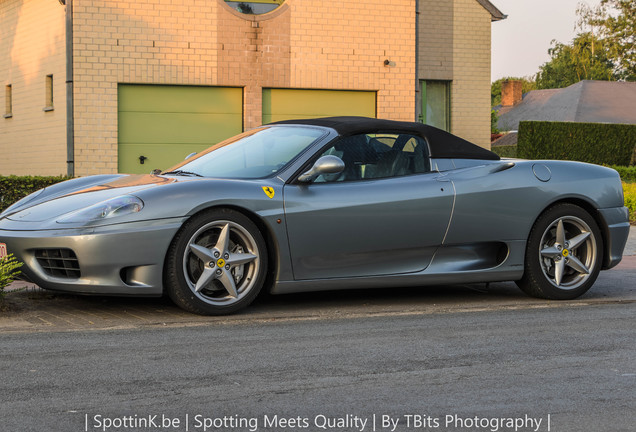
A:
{"x":505,"y":151}
{"x":599,"y":143}
{"x":13,"y":188}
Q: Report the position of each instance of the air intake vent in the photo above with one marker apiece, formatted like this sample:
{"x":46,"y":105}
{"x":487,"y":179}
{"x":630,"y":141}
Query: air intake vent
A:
{"x":60,"y":263}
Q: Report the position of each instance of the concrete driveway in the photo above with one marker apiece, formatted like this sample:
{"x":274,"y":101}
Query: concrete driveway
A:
{"x":29,"y":308}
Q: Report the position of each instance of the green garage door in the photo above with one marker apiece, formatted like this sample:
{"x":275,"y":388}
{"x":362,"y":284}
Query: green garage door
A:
{"x":163,"y":124}
{"x":288,"y":104}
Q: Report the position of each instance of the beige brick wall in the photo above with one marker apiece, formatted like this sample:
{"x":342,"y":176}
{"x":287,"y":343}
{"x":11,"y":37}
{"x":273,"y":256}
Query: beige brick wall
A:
{"x":312,"y":44}
{"x":470,"y":101}
{"x":307,"y":44}
{"x":435,"y":40}
{"x":32,"y":46}
{"x":343,"y":45}
{"x":115,"y":41}
{"x":454,"y":45}
{"x":253,"y":54}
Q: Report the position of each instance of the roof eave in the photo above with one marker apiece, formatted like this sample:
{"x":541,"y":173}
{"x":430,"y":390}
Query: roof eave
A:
{"x":495,"y":14}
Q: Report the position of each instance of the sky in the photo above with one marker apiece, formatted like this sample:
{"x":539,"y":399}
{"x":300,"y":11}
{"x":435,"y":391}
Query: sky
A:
{"x":520,"y":43}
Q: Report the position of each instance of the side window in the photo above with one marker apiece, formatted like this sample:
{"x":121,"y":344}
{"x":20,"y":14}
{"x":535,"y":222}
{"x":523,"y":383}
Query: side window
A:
{"x":381,"y":155}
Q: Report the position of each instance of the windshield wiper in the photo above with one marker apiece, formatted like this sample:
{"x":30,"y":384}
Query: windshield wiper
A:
{"x":182,"y":173}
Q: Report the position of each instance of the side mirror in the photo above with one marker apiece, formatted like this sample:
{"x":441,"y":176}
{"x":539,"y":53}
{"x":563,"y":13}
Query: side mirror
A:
{"x":329,"y":164}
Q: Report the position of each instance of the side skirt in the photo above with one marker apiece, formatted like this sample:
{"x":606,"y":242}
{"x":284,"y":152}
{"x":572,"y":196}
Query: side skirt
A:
{"x":456,"y":264}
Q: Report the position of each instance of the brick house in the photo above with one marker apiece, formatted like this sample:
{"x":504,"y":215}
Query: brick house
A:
{"x":103,"y":86}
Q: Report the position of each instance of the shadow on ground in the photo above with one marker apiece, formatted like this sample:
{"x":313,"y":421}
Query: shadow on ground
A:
{"x":32,"y":309}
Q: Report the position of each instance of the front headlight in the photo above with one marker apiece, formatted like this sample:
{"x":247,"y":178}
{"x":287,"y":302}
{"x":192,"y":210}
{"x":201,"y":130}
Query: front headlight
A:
{"x":114,"y":207}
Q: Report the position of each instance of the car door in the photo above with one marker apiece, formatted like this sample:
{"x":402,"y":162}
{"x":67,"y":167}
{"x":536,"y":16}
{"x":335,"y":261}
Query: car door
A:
{"x":385,"y":214}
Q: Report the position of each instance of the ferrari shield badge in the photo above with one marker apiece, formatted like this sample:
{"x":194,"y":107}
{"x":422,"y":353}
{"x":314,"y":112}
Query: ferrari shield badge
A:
{"x":269,"y":191}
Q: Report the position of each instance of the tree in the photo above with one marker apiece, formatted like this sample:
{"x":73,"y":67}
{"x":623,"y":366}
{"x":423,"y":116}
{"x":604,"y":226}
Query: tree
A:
{"x":586,"y":58}
{"x":613,"y":22}
{"x":494,"y":118}
{"x":495,"y":88}
{"x":245,"y":8}
{"x":603,"y":50}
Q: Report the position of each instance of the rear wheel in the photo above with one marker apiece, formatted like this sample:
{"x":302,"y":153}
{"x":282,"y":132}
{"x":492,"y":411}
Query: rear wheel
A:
{"x":216,"y":263}
{"x":563,"y":255}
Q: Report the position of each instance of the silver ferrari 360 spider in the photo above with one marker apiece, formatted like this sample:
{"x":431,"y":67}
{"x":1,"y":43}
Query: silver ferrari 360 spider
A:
{"x":323,"y":204}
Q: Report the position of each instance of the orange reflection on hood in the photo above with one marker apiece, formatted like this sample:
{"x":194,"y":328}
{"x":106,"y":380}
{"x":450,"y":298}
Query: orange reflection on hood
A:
{"x":128,"y":181}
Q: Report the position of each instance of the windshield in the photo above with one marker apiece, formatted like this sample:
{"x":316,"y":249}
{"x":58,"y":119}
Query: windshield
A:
{"x":258,"y":153}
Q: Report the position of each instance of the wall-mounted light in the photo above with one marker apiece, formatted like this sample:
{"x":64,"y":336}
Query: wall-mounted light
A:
{"x":389,"y":63}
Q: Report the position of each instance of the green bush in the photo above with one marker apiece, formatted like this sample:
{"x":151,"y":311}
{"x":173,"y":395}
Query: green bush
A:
{"x":8,"y":271}
{"x":493,"y":122}
{"x":505,"y":151}
{"x":13,"y":188}
{"x":628,"y":174}
{"x":599,"y":143}
{"x":629,"y":191}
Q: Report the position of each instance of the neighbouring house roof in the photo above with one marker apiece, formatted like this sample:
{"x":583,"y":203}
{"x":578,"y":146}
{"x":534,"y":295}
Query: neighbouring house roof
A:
{"x":496,"y":14}
{"x":506,"y":140}
{"x":583,"y":102}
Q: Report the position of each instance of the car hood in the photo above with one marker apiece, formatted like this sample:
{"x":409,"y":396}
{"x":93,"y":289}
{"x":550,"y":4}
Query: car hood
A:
{"x":76,"y":194}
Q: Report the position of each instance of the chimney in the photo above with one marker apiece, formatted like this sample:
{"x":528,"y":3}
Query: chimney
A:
{"x":511,"y":92}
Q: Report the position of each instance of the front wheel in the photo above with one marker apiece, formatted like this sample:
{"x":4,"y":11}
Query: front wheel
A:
{"x":216,"y":263}
{"x":563,"y":255}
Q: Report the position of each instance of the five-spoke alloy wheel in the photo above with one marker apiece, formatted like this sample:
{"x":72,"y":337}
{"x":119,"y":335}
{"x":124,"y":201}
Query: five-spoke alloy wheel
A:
{"x":563,"y":255}
{"x":217,"y":263}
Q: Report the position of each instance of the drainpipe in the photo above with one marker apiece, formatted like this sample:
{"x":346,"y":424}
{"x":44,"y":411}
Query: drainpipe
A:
{"x":418,"y":103}
{"x":70,"y":126}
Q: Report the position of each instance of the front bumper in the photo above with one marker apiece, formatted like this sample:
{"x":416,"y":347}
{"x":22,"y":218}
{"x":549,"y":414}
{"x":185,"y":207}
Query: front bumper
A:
{"x":120,"y":259}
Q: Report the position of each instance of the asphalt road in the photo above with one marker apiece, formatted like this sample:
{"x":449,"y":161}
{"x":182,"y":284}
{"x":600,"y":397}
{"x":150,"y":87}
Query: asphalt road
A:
{"x":572,"y":365}
{"x":457,"y":358}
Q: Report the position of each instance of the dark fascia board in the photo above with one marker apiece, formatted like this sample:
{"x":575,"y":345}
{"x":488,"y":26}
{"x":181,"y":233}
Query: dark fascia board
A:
{"x":496,"y":14}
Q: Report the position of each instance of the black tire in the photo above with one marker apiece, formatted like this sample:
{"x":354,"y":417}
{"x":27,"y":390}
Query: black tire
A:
{"x":562,"y":271}
{"x":230,"y":267}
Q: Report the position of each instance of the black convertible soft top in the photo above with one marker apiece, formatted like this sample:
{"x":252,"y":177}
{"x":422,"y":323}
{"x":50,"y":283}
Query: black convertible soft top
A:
{"x":441,"y":143}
